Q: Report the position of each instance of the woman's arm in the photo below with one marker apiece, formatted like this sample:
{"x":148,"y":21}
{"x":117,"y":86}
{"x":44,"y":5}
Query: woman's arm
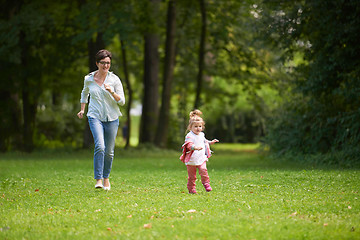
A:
{"x":113,"y":93}
{"x":82,"y":110}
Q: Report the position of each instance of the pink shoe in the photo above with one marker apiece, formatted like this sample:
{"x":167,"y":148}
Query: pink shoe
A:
{"x":207,"y":187}
{"x":192,"y":191}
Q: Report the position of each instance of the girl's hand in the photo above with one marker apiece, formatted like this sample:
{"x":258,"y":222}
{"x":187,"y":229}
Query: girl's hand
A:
{"x":198,"y":148}
{"x":214,"y":141}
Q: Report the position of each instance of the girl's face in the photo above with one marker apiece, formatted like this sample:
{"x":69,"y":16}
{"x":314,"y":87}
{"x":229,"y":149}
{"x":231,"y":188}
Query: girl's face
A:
{"x":104,"y":65}
{"x":197,"y":128}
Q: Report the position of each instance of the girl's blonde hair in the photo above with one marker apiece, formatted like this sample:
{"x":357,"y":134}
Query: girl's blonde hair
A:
{"x":195,"y":117}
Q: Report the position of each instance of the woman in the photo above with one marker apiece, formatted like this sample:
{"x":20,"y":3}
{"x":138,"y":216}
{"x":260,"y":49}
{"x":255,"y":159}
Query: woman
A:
{"x":106,"y":94}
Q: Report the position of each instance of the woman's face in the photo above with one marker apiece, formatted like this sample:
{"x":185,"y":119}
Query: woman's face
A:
{"x":104,"y":64}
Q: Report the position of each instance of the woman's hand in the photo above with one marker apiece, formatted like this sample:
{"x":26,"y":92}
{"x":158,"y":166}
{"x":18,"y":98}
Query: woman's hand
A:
{"x":108,"y":88}
{"x":113,"y":93}
{"x":80,"y":114}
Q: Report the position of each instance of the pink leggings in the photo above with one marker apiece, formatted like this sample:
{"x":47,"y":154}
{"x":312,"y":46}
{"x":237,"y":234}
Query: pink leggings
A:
{"x":192,"y":176}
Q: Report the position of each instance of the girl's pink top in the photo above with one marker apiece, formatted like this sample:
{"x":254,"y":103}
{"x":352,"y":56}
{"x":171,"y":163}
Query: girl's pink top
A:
{"x":187,"y":152}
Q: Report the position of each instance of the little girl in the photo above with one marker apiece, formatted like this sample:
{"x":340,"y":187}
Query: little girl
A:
{"x":196,"y":151}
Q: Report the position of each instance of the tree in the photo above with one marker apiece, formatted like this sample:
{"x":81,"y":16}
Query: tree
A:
{"x":164,"y":115}
{"x":130,"y":91}
{"x":151,"y":74}
{"x":50,"y":94}
{"x":321,"y":114}
{"x":201,"y":54}
{"x":10,"y":123}
{"x":26,"y":44}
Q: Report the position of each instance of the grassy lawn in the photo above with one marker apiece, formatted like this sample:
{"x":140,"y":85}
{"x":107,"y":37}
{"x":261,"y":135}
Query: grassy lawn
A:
{"x":52,"y":196}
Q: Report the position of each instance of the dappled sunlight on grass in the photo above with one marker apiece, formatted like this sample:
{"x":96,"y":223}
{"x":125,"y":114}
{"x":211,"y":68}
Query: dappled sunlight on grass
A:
{"x":236,"y":147}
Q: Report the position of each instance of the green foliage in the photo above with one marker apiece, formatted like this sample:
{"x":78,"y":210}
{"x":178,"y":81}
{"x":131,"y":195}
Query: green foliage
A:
{"x":320,"y":116}
{"x":233,"y":114}
{"x":240,"y":72}
{"x":306,"y":130}
{"x":52,"y":196}
{"x":58,"y":128}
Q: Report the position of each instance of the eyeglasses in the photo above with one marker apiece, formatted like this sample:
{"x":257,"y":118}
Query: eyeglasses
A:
{"x":104,"y":63}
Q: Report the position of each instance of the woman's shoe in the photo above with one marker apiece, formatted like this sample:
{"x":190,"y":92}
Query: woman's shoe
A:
{"x":107,"y":188}
{"x":106,"y":180}
{"x":99,"y":185}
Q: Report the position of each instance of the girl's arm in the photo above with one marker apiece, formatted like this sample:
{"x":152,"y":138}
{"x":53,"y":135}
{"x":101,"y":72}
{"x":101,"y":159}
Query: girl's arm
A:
{"x":213,"y":141}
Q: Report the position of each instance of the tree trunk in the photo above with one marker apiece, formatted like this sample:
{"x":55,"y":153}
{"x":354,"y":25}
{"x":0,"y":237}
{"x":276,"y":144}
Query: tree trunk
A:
{"x":130,"y":93}
{"x":93,"y":48}
{"x":10,"y":122}
{"x":29,"y":113}
{"x":201,"y":54}
{"x":163,"y":123}
{"x":151,"y":95}
{"x":11,"y":129}
{"x":29,"y":98}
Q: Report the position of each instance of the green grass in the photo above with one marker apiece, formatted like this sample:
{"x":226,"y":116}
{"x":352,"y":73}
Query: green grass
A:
{"x":52,"y":196}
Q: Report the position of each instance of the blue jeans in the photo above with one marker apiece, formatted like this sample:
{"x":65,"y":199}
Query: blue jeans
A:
{"x":104,"y":134}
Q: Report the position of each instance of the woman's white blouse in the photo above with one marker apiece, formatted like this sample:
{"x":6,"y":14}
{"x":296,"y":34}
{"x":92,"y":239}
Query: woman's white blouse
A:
{"x":102,"y":104}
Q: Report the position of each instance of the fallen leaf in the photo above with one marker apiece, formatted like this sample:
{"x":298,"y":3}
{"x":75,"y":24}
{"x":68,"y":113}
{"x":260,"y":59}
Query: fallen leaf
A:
{"x":109,"y":229}
{"x":293,"y":214}
{"x":36,"y":190}
{"x":326,"y":224}
{"x":147,"y":226}
{"x":152,"y":217}
{"x":349,"y":207}
{"x":98,"y":210}
{"x":130,"y":216}
{"x":191,"y":211}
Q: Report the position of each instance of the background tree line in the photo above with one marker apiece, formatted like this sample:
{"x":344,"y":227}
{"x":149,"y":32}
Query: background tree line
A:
{"x":319,"y":117}
{"x":256,"y":68}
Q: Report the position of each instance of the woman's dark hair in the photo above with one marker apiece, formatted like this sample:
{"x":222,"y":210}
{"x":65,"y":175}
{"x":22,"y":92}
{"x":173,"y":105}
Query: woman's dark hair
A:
{"x":102,"y":54}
